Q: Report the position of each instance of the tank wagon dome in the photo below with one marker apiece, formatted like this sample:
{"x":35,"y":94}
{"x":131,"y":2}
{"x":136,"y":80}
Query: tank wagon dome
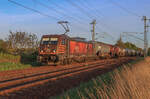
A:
{"x":103,"y":43}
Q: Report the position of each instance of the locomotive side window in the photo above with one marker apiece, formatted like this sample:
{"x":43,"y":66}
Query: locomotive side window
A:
{"x":63,"y":42}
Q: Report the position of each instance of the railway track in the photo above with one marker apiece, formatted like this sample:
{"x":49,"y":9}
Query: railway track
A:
{"x":43,"y":76}
{"x":14,"y":75}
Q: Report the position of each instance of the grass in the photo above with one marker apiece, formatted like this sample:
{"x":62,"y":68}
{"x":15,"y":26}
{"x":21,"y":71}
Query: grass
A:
{"x":127,"y":82}
{"x":12,"y":66}
{"x":11,"y":62}
{"x":4,"y":57}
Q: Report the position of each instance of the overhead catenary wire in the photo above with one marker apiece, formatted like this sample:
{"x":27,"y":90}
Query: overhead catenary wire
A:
{"x":124,"y":9}
{"x":37,"y":11}
{"x":31,"y":9}
{"x":75,"y":7}
{"x":86,"y":5}
{"x":59,"y":12}
{"x":51,"y":8}
{"x":65,"y":9}
{"x":86,"y":13}
{"x":80,"y":9}
{"x":136,"y":39}
{"x":102,"y":24}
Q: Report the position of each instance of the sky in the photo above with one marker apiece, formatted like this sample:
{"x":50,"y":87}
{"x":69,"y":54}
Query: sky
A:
{"x":113,"y":17}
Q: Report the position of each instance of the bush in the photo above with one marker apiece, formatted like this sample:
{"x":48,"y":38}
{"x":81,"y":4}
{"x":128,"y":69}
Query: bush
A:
{"x":12,"y":66}
{"x":5,"y":57}
{"x":149,"y":52}
{"x":3,"y":46}
{"x":30,"y":58}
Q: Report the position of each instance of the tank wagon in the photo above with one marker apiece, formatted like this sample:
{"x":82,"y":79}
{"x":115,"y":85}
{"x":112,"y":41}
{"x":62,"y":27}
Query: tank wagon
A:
{"x":102,"y":50}
{"x":63,"y":49}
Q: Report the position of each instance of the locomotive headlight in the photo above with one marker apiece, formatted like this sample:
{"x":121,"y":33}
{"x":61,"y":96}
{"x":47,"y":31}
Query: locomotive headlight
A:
{"x":42,"y":51}
{"x":54,"y":50}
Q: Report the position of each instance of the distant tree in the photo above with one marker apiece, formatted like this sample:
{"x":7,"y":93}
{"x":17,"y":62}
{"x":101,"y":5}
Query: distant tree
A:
{"x":19,"y":41}
{"x":128,"y":45}
{"x":131,"y":46}
{"x":120,"y":43}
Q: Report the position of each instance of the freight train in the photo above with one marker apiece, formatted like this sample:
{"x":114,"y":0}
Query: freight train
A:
{"x":64,"y":50}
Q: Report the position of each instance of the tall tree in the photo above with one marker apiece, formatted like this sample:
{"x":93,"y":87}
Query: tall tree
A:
{"x":120,"y":43}
{"x":22,"y":40}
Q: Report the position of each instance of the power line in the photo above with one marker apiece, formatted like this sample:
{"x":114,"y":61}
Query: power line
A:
{"x":57,"y":11}
{"x":80,"y":9}
{"x":31,"y":9}
{"x":51,"y":8}
{"x":75,"y":19}
{"x":85,"y":3}
{"x":63,"y":7}
{"x":133,"y":35}
{"x":46,"y":6}
{"x":86,"y":13}
{"x":102,"y":24}
{"x":136,"y":39}
{"x":124,"y":9}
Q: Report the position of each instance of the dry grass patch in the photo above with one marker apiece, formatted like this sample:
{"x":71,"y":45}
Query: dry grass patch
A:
{"x":131,"y":82}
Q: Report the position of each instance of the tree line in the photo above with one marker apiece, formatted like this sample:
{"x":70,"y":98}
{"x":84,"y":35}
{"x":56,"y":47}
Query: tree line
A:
{"x":23,"y":44}
{"x":18,"y":42}
{"x":128,"y":45}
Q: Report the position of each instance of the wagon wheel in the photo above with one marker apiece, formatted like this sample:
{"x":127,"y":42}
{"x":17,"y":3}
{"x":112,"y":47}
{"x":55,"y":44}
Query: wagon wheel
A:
{"x":65,"y":61}
{"x":80,"y":60}
{"x":84,"y":59}
{"x":108,"y":56}
{"x":44,"y":64}
{"x":70,"y":60}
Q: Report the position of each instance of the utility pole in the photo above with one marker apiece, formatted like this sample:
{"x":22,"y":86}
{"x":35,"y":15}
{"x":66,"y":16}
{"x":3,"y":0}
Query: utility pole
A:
{"x":93,"y":30}
{"x":145,"y":35}
{"x":93,"y":23}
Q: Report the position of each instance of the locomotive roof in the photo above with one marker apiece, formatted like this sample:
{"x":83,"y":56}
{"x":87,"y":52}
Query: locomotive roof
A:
{"x":56,"y":35}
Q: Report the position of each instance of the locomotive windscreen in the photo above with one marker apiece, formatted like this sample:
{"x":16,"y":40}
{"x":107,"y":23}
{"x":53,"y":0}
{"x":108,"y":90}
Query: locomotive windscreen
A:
{"x":52,"y":41}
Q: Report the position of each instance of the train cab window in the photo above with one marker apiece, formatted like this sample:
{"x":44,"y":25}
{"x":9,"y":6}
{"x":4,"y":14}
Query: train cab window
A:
{"x":45,"y":41}
{"x":63,"y":42}
{"x":52,"y":41}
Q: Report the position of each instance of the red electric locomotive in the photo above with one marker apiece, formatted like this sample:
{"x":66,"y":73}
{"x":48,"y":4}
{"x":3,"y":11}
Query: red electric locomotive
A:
{"x":61,"y":48}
